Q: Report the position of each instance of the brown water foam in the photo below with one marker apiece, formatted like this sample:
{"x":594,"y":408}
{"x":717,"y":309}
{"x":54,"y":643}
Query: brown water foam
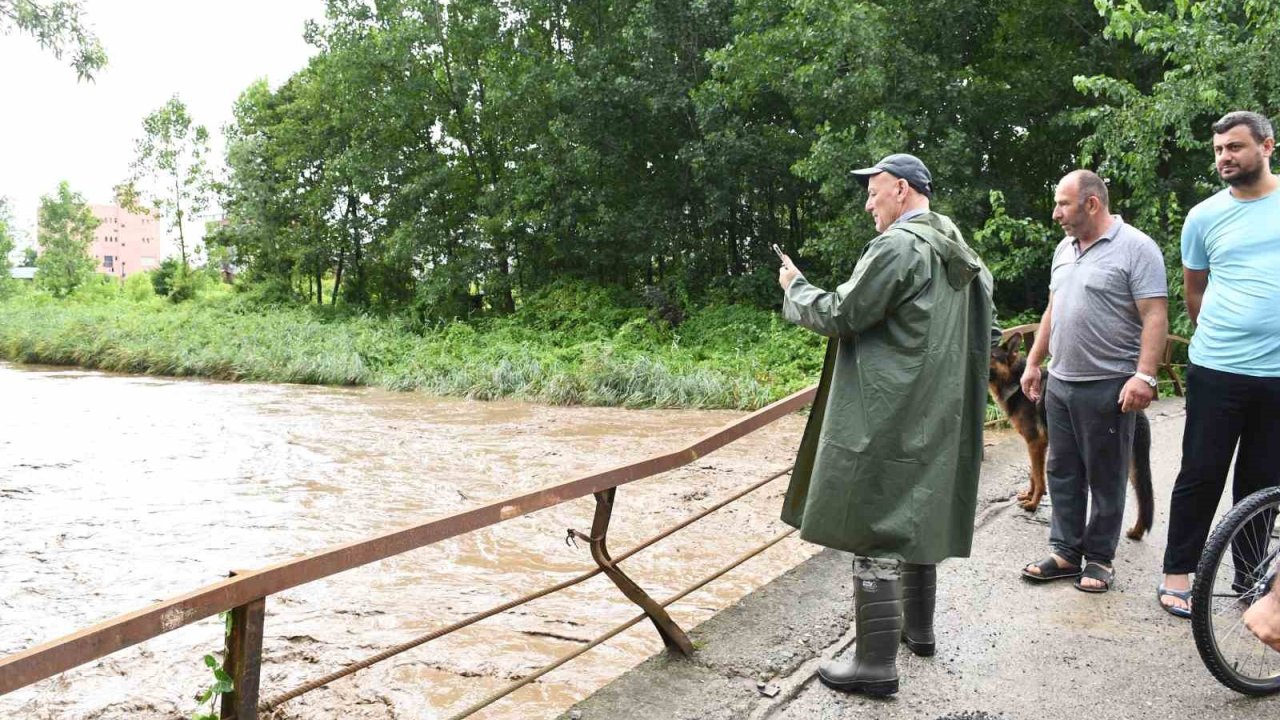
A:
{"x":119,"y":491}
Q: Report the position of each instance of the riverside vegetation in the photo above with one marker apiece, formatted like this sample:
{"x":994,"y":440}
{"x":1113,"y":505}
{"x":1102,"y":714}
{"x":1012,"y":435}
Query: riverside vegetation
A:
{"x":574,"y":202}
{"x":569,"y":344}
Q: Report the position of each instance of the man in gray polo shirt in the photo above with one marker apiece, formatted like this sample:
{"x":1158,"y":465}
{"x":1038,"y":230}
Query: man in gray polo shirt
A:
{"x":1105,"y":329}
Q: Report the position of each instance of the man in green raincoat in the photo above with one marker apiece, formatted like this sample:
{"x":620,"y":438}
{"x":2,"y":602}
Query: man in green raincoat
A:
{"x":888,"y":467}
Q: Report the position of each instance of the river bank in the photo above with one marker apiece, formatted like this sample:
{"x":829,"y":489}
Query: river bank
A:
{"x":573,"y":347}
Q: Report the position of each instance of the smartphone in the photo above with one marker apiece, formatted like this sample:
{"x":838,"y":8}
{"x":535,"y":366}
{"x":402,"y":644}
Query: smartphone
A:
{"x":777,"y":250}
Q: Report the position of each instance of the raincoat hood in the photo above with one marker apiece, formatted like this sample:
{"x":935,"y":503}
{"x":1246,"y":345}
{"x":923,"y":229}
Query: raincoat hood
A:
{"x":960,"y":261}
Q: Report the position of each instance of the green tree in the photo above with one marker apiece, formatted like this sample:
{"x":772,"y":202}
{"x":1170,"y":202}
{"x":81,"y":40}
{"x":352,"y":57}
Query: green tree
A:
{"x":65,"y":231}
{"x":459,"y":156}
{"x":60,"y":28}
{"x":29,"y":256}
{"x":6,"y":246}
{"x":385,"y":168}
{"x":817,"y":89}
{"x":164,"y":276}
{"x":279,"y":199}
{"x":170,"y":173}
{"x":1152,"y":136}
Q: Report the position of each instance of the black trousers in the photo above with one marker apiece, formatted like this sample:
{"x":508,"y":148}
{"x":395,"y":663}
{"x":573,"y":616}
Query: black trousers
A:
{"x":1223,"y":409}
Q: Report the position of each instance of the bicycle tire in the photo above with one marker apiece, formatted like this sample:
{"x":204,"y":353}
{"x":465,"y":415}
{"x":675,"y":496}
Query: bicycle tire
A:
{"x":1202,"y":595}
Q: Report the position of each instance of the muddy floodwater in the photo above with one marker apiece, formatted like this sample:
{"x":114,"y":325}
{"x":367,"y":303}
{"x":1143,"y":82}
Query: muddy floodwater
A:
{"x":117,"y":492}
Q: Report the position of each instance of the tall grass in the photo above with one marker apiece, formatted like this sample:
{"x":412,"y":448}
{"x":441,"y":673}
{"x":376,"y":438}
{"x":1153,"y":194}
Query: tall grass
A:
{"x":567,"y":349}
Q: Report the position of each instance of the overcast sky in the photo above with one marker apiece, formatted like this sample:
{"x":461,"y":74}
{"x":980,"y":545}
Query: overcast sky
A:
{"x":54,"y":128}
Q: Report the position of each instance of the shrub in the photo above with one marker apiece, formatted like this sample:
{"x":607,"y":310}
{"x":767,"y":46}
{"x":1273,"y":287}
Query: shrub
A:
{"x":97,"y":288}
{"x":162,"y":277}
{"x":186,"y":284}
{"x":139,"y":287}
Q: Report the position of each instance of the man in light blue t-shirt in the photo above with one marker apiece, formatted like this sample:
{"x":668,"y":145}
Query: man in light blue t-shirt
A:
{"x":1231,"y":268}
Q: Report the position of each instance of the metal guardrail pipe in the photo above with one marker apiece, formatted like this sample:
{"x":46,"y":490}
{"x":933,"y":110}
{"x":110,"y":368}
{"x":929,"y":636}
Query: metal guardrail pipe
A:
{"x":278,"y":700}
{"x":516,"y":685}
{"x":48,"y":659}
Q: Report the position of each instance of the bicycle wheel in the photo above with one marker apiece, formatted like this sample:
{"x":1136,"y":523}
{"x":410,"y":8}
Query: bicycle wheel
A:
{"x":1229,"y":578}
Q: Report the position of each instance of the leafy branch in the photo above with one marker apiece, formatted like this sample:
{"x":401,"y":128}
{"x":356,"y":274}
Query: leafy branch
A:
{"x":221,"y":684}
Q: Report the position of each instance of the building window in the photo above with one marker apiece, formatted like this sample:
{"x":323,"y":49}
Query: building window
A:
{"x":108,"y":261}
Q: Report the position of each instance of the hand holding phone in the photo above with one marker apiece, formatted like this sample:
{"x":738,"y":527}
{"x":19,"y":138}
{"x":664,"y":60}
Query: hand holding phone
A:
{"x":787,"y":272}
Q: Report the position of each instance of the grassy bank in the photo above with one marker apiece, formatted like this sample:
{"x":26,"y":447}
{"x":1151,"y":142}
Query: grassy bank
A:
{"x":574,"y":346}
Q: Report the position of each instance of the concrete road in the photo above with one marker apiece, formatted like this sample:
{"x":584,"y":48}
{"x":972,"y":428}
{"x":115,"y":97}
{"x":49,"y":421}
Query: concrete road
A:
{"x":1006,"y":648}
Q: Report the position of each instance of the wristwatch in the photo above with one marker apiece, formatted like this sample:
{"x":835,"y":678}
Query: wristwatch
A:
{"x":1146,"y":379}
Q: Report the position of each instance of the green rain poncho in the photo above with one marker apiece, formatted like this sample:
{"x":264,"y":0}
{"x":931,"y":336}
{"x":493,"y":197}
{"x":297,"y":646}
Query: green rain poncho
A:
{"x":889,"y":462}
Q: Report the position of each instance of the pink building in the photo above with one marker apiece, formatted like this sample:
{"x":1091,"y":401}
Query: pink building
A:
{"x":124,"y":242}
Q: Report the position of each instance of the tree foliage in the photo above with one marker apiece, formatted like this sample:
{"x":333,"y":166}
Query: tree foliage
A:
{"x":59,"y":26}
{"x":171,"y":176}
{"x":6,"y":246}
{"x":460,"y":156}
{"x":1153,"y":139}
{"x":65,"y":231}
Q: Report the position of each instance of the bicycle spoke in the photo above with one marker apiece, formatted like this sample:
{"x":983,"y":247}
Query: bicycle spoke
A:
{"x":1264,"y":654}
{"x":1238,"y":553}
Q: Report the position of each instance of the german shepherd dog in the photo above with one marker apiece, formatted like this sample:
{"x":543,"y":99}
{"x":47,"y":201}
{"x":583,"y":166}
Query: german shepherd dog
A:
{"x":1028,"y":418}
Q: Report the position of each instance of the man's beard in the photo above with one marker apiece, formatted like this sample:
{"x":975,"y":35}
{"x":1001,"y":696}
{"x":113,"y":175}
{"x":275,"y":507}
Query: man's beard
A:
{"x":1245,"y":177}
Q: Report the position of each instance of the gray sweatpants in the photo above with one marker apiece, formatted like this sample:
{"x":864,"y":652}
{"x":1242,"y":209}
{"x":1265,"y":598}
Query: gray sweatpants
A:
{"x":1090,"y":443}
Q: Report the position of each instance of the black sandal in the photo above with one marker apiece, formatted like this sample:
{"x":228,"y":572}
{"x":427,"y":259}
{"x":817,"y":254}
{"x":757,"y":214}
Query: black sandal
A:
{"x":1097,"y":572}
{"x":1050,"y":570}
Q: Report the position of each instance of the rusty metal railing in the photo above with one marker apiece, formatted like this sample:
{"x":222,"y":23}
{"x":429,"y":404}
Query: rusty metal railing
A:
{"x":244,"y":593}
{"x":503,"y":692}
{"x":282,"y":698}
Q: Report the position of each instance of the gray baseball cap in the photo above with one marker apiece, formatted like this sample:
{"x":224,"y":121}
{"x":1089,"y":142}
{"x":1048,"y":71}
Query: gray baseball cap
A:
{"x":904,"y":166}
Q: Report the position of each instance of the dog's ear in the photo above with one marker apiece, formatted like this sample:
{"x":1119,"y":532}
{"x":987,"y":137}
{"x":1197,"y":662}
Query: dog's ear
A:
{"x":1013,"y":345}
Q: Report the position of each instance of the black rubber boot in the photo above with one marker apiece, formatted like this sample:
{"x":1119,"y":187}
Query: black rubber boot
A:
{"x":919,"y":596}
{"x":878,"y":623}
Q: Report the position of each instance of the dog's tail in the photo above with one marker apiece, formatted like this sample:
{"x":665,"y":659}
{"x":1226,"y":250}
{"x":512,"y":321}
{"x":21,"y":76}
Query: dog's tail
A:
{"x":1140,"y":477}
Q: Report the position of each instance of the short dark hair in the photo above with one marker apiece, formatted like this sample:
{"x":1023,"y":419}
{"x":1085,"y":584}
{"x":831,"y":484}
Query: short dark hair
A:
{"x":1259,"y":126}
{"x":1090,"y":184}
